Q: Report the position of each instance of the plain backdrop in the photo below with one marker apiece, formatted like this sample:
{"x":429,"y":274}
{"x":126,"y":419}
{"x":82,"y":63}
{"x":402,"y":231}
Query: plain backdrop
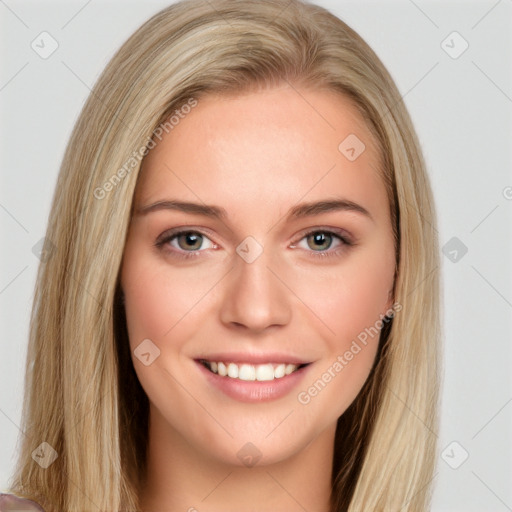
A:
{"x":451,"y":62}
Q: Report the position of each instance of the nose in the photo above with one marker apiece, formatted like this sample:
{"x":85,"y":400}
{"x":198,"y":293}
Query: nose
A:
{"x":256,"y":296}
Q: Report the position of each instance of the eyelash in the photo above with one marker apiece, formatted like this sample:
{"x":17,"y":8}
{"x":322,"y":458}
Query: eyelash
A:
{"x":168,"y":236}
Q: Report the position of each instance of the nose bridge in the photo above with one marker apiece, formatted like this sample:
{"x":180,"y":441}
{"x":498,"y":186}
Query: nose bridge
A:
{"x":255,"y":297}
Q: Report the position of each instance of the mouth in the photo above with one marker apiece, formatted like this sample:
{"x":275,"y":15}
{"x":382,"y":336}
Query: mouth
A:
{"x":251,"y":372}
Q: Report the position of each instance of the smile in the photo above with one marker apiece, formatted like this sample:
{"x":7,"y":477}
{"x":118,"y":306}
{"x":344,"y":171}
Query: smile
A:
{"x":251,"y":372}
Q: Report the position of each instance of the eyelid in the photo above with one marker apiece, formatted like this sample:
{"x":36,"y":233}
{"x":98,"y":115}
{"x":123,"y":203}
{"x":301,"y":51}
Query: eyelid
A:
{"x":165,"y":238}
{"x":341,"y":233}
{"x":169,"y":233}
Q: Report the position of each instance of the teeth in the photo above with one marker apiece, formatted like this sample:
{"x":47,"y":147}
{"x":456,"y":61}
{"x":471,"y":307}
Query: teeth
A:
{"x":289,"y":369}
{"x":264,"y":372}
{"x":246,"y":372}
{"x":233,"y":371}
{"x":221,"y":368}
{"x":249,"y":372}
{"x":279,"y":371}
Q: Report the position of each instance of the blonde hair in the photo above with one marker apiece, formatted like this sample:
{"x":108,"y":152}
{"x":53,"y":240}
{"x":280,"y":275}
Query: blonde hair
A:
{"x":82,"y":396}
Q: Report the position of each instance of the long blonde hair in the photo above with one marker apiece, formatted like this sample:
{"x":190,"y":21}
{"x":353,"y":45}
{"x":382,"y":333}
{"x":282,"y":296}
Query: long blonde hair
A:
{"x":82,"y":396}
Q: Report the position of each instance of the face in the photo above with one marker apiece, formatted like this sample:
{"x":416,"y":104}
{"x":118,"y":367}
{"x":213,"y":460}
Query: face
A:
{"x":261,"y":244}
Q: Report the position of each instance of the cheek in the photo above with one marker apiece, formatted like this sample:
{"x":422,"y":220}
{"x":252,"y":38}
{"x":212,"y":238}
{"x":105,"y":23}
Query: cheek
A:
{"x":351,"y":297}
{"x":144,"y":315}
{"x":151,"y":304}
{"x":145,"y":303}
{"x":350,"y":300}
{"x":157,"y":299}
{"x":351,"y":307}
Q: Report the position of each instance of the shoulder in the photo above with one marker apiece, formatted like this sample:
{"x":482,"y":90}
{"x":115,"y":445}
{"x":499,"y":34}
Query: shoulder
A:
{"x":9,"y":502}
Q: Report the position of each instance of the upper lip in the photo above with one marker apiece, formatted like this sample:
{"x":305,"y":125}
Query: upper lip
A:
{"x":252,"y":358}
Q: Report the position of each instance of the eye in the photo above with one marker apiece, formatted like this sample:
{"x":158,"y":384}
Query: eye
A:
{"x":188,"y":243}
{"x":189,"y":240}
{"x":319,"y":241}
{"x":180,"y":242}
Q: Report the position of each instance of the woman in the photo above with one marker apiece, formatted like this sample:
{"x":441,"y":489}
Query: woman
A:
{"x":289,"y":360}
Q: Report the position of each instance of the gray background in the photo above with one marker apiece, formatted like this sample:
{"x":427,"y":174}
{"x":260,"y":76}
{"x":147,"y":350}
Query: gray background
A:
{"x":461,"y":106}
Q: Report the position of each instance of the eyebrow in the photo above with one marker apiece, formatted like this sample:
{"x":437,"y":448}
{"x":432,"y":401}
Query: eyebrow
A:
{"x":297,"y":212}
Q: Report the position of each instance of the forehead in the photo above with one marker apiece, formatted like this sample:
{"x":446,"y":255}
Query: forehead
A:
{"x":267,"y":148}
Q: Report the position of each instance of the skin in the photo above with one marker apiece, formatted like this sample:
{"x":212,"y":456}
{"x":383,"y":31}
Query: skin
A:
{"x":256,"y":155}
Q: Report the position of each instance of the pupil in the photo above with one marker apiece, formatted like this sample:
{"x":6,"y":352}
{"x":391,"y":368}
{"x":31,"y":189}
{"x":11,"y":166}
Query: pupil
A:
{"x":192,"y":239}
{"x":321,"y":239}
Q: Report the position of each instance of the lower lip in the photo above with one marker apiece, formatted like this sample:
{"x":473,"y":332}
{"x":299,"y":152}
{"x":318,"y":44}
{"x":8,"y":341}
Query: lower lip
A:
{"x":253,"y":390}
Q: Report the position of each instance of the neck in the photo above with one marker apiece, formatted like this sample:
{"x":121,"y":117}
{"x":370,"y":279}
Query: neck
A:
{"x":181,"y":478}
